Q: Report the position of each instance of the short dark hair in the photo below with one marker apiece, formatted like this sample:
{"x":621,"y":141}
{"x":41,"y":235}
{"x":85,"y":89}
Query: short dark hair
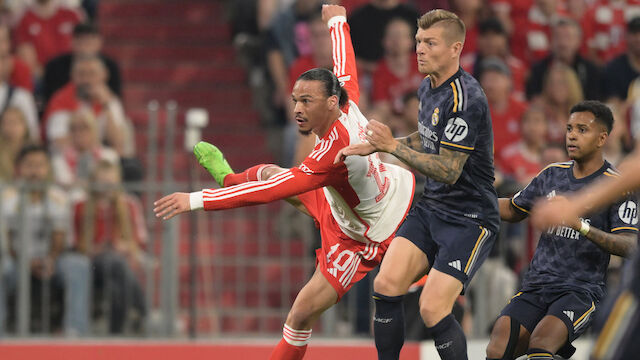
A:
{"x":600,"y":111}
{"x":331,"y":83}
{"x":491,"y":25}
{"x":30,"y":149}
{"x":85,"y":29}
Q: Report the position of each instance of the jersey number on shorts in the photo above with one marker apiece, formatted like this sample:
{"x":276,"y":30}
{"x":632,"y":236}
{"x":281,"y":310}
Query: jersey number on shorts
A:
{"x":336,"y":262}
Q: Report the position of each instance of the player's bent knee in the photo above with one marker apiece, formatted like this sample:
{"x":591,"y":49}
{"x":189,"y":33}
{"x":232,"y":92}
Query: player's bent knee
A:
{"x":299,"y":317}
{"x":433,"y":312}
{"x":385,"y":284}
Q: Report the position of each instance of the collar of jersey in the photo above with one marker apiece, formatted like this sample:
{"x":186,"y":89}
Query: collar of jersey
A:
{"x":590,"y":177}
{"x":446,"y":83}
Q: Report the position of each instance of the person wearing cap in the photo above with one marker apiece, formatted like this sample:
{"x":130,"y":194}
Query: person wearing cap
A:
{"x":495,"y":78}
{"x":493,"y":41}
{"x":565,"y":47}
{"x":86,"y":41}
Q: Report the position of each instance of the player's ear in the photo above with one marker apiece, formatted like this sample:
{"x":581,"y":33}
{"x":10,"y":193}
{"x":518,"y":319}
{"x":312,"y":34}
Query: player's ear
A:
{"x":602,"y":139}
{"x":332,"y":102}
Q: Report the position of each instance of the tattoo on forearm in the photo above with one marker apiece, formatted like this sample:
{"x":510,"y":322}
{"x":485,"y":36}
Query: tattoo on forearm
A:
{"x":445,"y":167}
{"x":412,"y":141}
{"x":616,"y":244}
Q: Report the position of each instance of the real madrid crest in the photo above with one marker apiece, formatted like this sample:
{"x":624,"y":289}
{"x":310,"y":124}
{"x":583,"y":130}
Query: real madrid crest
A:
{"x":434,"y":117}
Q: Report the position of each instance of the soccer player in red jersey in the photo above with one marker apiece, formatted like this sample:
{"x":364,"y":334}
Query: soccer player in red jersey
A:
{"x":358,"y":203}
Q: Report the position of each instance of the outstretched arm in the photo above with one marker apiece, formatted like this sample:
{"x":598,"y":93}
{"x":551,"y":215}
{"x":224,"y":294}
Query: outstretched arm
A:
{"x":344,"y":58}
{"x":617,"y":244}
{"x":508,"y":212}
{"x":445,"y":167}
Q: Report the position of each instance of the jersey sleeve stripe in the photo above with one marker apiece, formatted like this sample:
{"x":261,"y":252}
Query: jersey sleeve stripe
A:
{"x":461,"y":97}
{"x":518,"y":207}
{"x":624,"y":228}
{"x":235,"y":188}
{"x":343,"y":62}
{"x":256,"y":186}
{"x":456,"y":145}
{"x":455,"y":97}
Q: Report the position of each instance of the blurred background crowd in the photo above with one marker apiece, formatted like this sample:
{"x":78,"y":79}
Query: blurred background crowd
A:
{"x":73,"y":134}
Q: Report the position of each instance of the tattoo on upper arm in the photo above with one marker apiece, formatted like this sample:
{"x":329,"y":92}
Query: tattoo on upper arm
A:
{"x":616,"y":244}
{"x":445,"y":167}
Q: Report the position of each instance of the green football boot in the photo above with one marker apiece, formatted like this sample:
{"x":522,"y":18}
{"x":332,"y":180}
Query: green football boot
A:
{"x":212,"y":159}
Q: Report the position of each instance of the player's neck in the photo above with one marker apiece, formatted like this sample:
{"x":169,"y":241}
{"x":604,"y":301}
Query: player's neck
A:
{"x":438,"y":78}
{"x":588,"y":165}
{"x":322,"y":130}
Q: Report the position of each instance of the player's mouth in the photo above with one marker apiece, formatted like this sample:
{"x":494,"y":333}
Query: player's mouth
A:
{"x":300,"y":120}
{"x":572,"y":148}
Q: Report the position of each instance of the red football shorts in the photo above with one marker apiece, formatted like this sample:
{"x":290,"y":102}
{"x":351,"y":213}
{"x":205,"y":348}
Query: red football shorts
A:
{"x":342,"y":260}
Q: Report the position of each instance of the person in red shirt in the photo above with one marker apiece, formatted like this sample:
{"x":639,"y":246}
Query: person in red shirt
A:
{"x":530,"y":40}
{"x":522,"y":160}
{"x":396,"y":74}
{"x":493,"y":41}
{"x":19,"y":72}
{"x":43,"y":32}
{"x":506,"y":110}
{"x":469,"y":13}
{"x":358,"y":203}
{"x":604,"y":25}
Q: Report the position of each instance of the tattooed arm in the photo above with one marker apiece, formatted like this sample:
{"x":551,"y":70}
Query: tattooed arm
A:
{"x":412,"y":141}
{"x":623,"y":244}
{"x":445,"y":167}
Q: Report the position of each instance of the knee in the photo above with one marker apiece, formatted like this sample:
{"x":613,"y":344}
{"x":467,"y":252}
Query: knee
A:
{"x":494,"y":351}
{"x":386,"y":285}
{"x":540,"y":341}
{"x":433,"y":312}
{"x":499,"y":338}
{"x":299,"y":317}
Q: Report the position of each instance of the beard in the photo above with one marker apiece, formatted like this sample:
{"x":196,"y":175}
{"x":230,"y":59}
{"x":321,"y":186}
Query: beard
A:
{"x":305,"y":132}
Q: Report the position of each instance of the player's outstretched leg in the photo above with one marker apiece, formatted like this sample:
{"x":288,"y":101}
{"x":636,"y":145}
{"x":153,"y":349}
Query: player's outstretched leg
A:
{"x":212,"y":159}
{"x":315,"y":297}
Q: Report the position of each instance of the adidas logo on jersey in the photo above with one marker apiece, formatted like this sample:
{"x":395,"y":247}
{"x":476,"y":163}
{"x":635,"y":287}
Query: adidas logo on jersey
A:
{"x":569,"y":314}
{"x":456,"y":265}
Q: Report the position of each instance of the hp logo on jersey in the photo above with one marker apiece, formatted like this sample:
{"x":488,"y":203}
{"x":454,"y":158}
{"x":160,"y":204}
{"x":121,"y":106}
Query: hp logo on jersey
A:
{"x":456,"y":129}
{"x":628,"y":212}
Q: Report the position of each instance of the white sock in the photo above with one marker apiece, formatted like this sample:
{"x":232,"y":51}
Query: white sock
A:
{"x":295,"y":337}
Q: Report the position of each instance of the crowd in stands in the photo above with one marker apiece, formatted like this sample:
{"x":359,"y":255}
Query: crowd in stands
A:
{"x":64,"y":138}
{"x":534,"y":59}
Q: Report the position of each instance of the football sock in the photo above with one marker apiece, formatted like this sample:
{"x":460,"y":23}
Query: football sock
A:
{"x":449,"y":339}
{"x":388,"y":326}
{"x":539,"y":354}
{"x":293,"y":344}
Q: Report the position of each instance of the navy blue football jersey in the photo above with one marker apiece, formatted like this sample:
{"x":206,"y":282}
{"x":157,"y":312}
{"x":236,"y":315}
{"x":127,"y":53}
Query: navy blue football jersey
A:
{"x":564,"y":258}
{"x":455,"y":116}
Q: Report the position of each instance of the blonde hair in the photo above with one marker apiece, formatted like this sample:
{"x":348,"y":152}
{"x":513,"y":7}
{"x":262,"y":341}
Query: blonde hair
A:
{"x":86,"y":116}
{"x":455,"y":29}
{"x":572,"y":81}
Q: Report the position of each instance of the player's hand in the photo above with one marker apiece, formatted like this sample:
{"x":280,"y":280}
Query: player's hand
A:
{"x":361,"y":149}
{"x":172,"y":205}
{"x":379,"y":135}
{"x":329,"y":11}
{"x":554,"y":212}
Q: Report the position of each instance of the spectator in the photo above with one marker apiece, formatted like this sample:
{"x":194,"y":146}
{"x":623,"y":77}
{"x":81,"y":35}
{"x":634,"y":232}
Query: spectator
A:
{"x":288,"y":32}
{"x":511,"y":12}
{"x":368,"y":24}
{"x":18,"y":97}
{"x":469,"y":12}
{"x":86,"y":41}
{"x":18,"y":70}
{"x":396,"y":73}
{"x":561,"y":89}
{"x":621,"y":71}
{"x":74,"y":164}
{"x":88,"y":88}
{"x":109,"y":227}
{"x":46,"y":211}
{"x":604,"y":28}
{"x":523,"y":160}
{"x":14,"y":135}
{"x":530,"y":40}
{"x":43,"y":32}
{"x":565,"y":44}
{"x":493,"y":41}
{"x":506,"y":109}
